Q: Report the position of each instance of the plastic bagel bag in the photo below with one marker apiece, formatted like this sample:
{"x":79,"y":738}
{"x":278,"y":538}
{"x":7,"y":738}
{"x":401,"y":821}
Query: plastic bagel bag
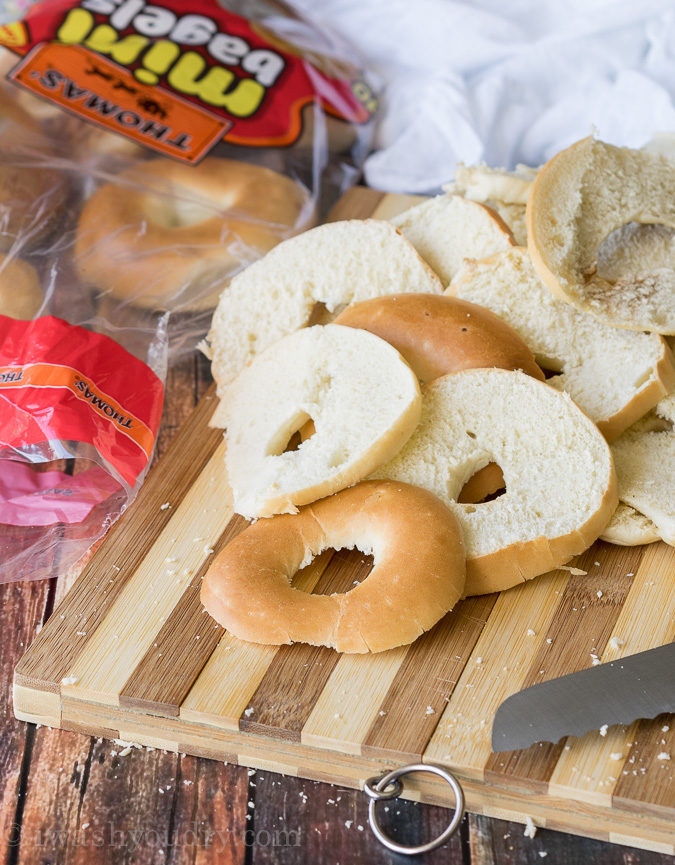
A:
{"x":148,"y":151}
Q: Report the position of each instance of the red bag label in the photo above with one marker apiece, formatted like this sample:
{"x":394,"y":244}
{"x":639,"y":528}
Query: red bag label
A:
{"x":174,"y":76}
{"x":61,"y":382}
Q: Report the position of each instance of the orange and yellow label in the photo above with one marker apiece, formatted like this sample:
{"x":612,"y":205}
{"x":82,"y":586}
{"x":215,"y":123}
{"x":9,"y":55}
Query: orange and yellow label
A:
{"x":110,"y":96}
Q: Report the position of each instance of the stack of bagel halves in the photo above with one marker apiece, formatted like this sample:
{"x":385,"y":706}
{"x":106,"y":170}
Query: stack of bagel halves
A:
{"x":490,"y":390}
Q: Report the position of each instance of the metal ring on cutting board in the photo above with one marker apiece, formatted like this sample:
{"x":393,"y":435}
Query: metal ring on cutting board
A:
{"x":376,"y":789}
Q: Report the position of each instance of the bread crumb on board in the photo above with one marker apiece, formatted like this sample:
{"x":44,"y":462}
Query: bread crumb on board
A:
{"x":530,"y":828}
{"x":576,"y":572}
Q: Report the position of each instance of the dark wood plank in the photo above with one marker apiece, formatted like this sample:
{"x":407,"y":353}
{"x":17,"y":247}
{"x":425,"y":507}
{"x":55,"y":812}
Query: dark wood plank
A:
{"x":288,"y":692}
{"x":297,"y":821}
{"x":91,"y":802}
{"x":167,"y":671}
{"x":424,"y":682}
{"x":22,"y":609}
{"x":581,"y":627}
{"x":123,"y":548}
{"x":209,"y":814}
{"x":59,"y":771}
{"x":498,"y":842}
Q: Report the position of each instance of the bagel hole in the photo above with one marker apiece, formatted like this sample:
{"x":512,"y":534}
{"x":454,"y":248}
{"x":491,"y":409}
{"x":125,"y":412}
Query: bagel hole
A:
{"x":177,"y":212}
{"x":484,"y":485}
{"x":634,"y":250}
{"x":320,"y":315}
{"x":550,"y":373}
{"x":344,"y":571}
{"x":294,"y":435}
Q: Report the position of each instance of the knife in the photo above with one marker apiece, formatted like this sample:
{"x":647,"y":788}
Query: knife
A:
{"x":619,"y":692}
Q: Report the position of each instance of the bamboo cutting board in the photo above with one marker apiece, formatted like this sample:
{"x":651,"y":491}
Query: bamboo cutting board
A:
{"x":131,"y":654}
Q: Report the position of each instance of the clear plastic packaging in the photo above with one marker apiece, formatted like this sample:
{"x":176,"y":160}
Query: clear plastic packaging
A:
{"x":114,"y":248}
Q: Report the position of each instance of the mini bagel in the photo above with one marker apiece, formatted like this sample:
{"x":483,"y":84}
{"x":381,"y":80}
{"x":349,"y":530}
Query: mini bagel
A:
{"x":578,"y":199}
{"x":561,"y":488}
{"x":168,"y":233}
{"x":437,"y":334}
{"x":362,"y":396}
{"x":417,"y":578}
{"x":21,"y":294}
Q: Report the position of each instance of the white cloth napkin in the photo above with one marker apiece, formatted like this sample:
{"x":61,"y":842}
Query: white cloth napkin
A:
{"x":506,"y":82}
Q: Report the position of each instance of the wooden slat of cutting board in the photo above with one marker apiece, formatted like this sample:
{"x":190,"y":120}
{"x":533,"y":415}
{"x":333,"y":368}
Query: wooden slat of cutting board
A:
{"x":129,"y":652}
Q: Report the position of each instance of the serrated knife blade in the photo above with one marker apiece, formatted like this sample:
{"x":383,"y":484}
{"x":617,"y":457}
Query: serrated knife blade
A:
{"x":618,"y":692}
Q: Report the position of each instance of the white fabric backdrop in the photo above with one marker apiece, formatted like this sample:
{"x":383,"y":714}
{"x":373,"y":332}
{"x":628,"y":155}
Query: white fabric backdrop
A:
{"x":506,"y":81}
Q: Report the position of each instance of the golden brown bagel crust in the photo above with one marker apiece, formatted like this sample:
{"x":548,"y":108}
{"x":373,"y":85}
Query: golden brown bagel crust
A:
{"x":437,"y":334}
{"x":418,"y":574}
{"x":164,"y":226}
{"x":20,"y":291}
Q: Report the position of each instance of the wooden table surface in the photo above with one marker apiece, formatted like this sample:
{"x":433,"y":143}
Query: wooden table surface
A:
{"x":70,"y":798}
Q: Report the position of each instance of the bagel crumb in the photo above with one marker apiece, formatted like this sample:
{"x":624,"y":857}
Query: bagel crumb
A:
{"x":575,"y":572}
